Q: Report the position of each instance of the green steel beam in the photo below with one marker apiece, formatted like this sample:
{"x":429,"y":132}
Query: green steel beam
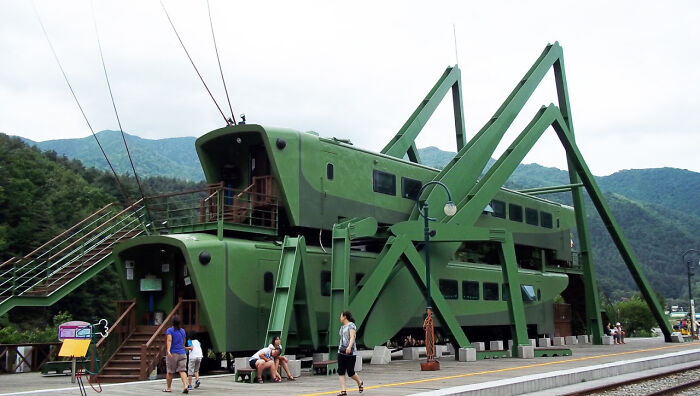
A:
{"x":596,"y":195}
{"x":304,"y":306}
{"x":465,"y":168}
{"x":404,"y":141}
{"x":550,"y":189}
{"x":516,"y":309}
{"x":594,"y":321}
{"x":370,"y":287}
{"x":442,"y":308}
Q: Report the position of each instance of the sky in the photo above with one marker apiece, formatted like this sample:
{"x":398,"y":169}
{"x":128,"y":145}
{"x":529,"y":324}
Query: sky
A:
{"x":358,"y":70}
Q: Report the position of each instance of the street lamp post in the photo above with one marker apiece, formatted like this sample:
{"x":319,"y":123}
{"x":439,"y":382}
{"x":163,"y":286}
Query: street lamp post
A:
{"x":450,"y":209}
{"x":691,"y":310}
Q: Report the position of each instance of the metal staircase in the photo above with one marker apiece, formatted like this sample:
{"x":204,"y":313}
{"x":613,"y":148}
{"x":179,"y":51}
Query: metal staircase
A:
{"x":59,"y":266}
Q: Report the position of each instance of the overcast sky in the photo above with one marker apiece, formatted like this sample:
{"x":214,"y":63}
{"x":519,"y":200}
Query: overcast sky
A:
{"x":358,"y":69}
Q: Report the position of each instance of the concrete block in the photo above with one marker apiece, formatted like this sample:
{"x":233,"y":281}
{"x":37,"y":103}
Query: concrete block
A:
{"x":319,"y":357}
{"x":544,"y":342}
{"x":358,"y":363}
{"x":291,"y":357}
{"x":450,"y":350}
{"x":496,"y":345}
{"x":412,"y":353}
{"x":533,"y":342}
{"x":510,"y":344}
{"x":677,"y":337}
{"x":381,"y":355}
{"x":557,"y":341}
{"x":582,"y":339}
{"x":571,"y":340}
{"x":608,"y":340}
{"x":526,"y":351}
{"x":479,"y":346}
{"x":294,"y":368}
{"x":241,"y":362}
{"x":438,"y":350}
{"x":467,"y":354}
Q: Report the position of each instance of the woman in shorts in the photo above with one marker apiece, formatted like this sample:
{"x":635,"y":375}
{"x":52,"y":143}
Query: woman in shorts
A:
{"x":347,"y":352}
{"x":177,"y":358}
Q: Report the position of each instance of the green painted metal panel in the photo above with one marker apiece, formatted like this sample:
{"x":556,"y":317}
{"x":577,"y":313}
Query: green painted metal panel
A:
{"x":285,"y":289}
{"x":515,"y":302}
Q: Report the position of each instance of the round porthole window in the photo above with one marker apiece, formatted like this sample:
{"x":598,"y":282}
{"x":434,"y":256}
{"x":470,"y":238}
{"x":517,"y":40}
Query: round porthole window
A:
{"x":204,"y":257}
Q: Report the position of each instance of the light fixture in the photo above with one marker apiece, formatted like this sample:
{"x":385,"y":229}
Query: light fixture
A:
{"x":450,"y":208}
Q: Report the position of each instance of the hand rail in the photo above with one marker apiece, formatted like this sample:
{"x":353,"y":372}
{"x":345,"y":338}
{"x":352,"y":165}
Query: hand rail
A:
{"x":160,"y":331}
{"x":93,"y":230}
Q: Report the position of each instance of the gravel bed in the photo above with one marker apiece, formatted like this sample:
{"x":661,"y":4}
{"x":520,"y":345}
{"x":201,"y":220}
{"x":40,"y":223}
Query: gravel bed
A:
{"x":657,"y":384}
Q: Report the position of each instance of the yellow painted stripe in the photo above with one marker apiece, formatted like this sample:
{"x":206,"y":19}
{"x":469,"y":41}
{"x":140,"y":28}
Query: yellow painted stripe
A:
{"x":504,"y":369}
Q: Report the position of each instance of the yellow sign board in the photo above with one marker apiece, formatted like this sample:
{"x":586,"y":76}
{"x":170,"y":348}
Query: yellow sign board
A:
{"x":74,"y":348}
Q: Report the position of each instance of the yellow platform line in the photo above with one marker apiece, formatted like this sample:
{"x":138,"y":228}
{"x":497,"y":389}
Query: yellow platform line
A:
{"x":503,"y":369}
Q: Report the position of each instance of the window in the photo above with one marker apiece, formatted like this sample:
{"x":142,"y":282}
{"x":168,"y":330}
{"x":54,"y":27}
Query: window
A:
{"x":505,"y":292}
{"x":329,"y":171}
{"x":499,"y":209}
{"x":531,"y":216}
{"x":528,"y":293}
{"x":410,"y":188}
{"x":546,"y":219}
{"x":490,"y":291}
{"x":449,"y":289}
{"x":515,"y":212}
{"x":470,"y":290}
{"x":268,"y":282}
{"x":384,"y":183}
{"x":539,"y":295}
{"x":358,"y":277}
{"x":325,"y":283}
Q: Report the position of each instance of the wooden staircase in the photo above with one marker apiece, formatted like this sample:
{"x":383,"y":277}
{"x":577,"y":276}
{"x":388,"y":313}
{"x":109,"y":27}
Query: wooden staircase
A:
{"x":125,"y":364}
{"x":131,"y":351}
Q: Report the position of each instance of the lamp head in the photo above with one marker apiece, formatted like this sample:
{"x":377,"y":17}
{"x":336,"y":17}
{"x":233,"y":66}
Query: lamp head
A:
{"x":450,"y":208}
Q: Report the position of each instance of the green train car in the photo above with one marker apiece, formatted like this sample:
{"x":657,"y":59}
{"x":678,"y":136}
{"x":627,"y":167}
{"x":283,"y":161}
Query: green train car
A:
{"x":303,"y":184}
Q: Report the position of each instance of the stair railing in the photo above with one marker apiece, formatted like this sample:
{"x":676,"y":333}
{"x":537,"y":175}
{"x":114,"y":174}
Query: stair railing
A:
{"x":25,"y":276}
{"x":89,"y":254}
{"x":154,"y":350}
{"x":119,"y":332}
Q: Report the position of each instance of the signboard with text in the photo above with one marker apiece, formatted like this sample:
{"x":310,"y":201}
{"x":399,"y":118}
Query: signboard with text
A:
{"x":74,"y":330}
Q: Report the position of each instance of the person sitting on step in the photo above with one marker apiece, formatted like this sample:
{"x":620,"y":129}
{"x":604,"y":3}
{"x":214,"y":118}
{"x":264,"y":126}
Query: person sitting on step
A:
{"x":265,"y":359}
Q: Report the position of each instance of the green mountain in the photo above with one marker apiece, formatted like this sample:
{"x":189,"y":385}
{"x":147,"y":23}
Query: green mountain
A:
{"x":656,"y":209}
{"x":173,"y":157}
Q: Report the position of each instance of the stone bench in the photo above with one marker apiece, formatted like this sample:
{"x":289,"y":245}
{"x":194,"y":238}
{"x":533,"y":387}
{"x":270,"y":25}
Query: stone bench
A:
{"x":327,"y":367}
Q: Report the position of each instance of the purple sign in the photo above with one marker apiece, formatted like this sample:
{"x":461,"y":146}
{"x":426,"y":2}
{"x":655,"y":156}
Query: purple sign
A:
{"x":75,"y":330}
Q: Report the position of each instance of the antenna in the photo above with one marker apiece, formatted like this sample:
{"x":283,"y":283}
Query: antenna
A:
{"x":454,"y":34}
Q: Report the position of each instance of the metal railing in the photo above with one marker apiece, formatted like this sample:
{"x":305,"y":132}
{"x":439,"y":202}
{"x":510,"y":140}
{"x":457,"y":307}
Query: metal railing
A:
{"x":255,"y":206}
{"x":71,"y":252}
{"x":154,"y":349}
{"x":119,"y":332}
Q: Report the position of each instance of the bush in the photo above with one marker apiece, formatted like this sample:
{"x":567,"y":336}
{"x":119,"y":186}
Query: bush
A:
{"x":10,"y":334}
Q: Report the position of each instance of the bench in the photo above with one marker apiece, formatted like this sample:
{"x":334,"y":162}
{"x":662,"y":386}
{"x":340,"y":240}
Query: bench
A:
{"x":251,"y":374}
{"x":59,"y":366}
{"x":327,"y":367}
{"x":552,"y":351}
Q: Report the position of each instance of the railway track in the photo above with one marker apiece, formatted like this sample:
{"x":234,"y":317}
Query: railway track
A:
{"x":684,"y":381}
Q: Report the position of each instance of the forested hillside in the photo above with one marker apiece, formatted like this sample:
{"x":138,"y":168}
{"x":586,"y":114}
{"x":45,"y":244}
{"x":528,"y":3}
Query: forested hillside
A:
{"x":174,"y":157}
{"x":42,"y":194}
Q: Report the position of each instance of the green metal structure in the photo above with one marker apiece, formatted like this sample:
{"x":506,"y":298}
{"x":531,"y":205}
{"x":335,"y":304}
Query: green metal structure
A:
{"x":295,"y":228}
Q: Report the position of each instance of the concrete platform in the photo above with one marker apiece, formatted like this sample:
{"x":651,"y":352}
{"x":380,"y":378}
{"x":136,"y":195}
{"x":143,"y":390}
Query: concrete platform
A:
{"x":499,"y":376}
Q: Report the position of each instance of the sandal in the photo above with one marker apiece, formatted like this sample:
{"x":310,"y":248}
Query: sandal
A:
{"x":343,"y":393}
{"x":260,"y":380}
{"x":361,"y":387}
{"x":166,"y":390}
{"x":277,"y":379}
{"x":291,"y":379}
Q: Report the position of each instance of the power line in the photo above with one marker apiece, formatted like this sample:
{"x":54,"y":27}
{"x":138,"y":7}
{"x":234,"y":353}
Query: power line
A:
{"x":192,"y":62}
{"x":65,"y":77}
{"x":233,"y":118}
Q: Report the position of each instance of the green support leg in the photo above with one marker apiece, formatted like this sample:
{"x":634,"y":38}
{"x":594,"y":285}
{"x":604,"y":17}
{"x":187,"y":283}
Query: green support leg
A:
{"x":340,"y":282}
{"x":516,"y":310}
{"x":442,"y":308}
